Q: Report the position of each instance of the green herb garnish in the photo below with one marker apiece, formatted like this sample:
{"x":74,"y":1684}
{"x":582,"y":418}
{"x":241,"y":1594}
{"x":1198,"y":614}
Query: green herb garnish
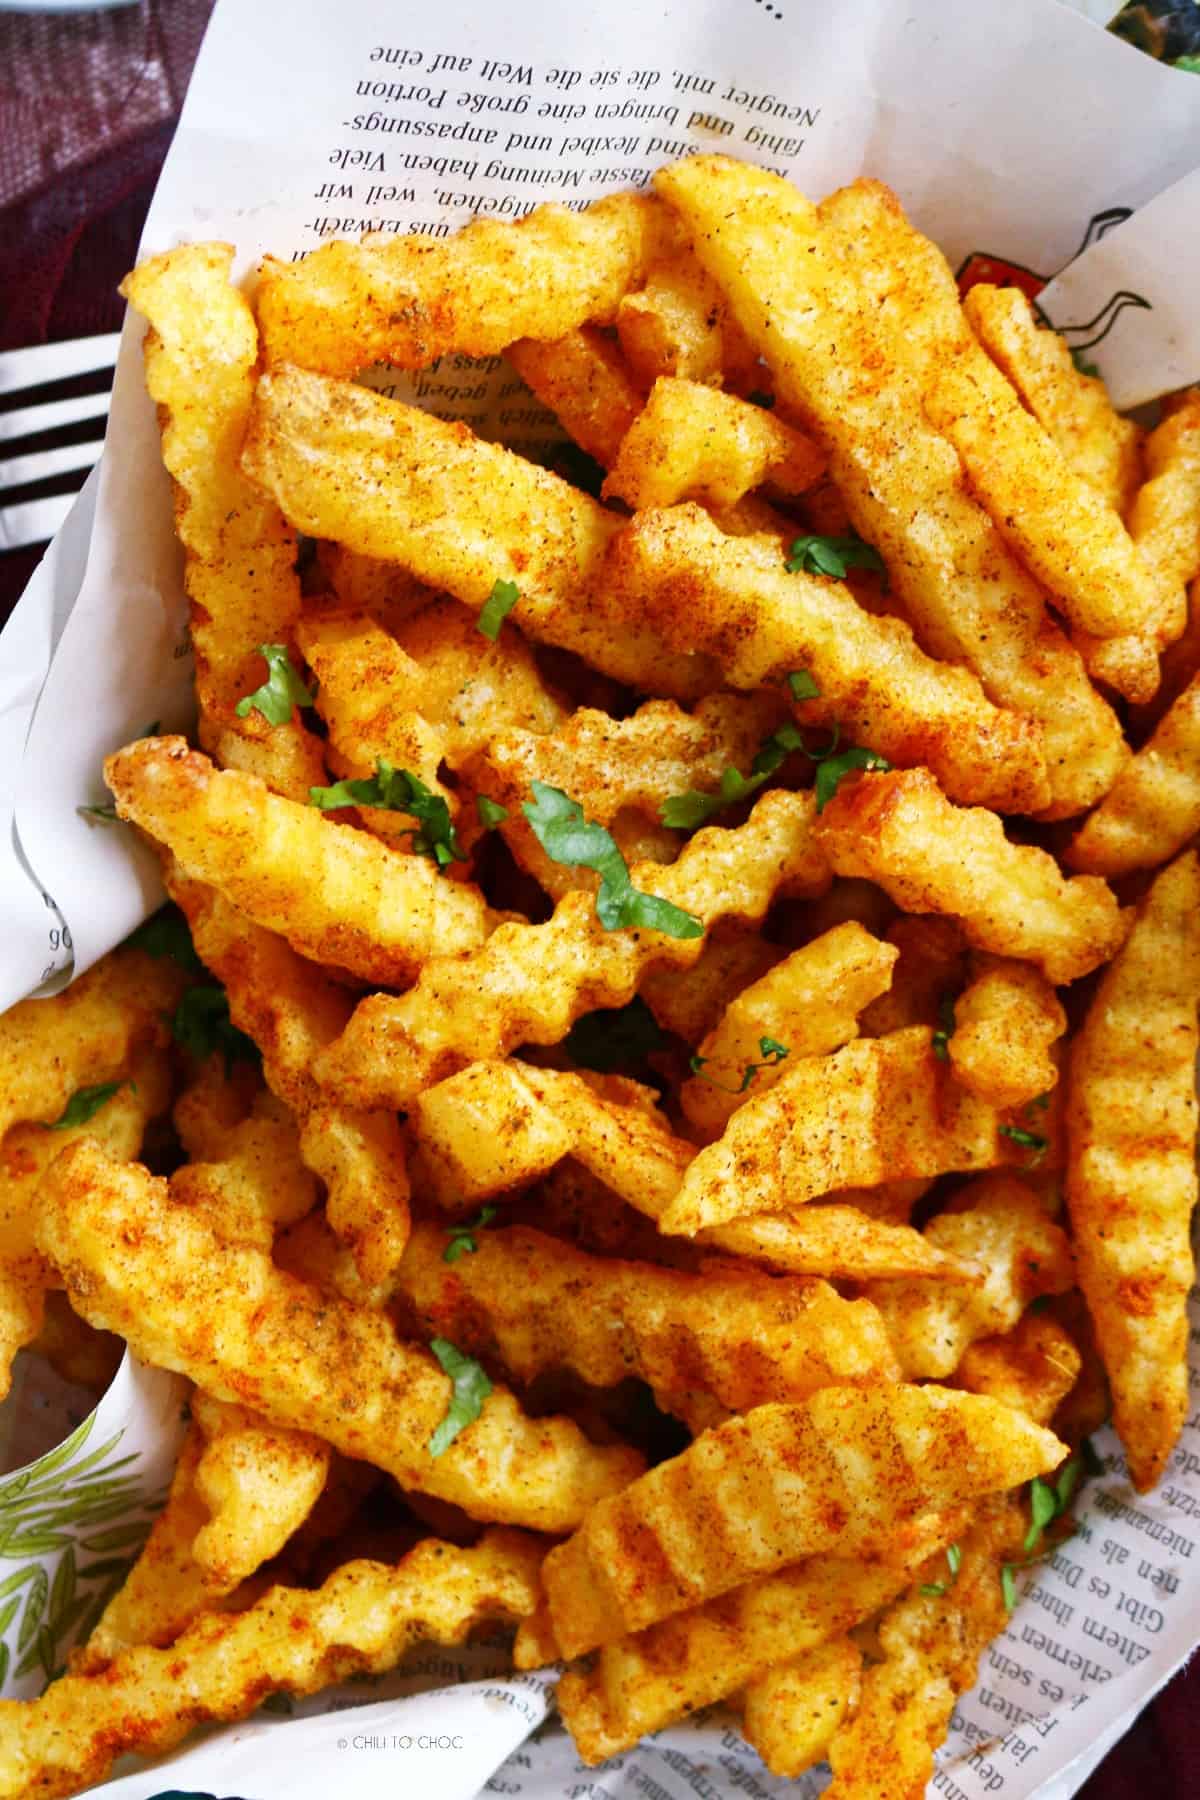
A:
{"x":282,"y":689}
{"x":945,"y":1030}
{"x":578,"y":843}
{"x":396,"y":790}
{"x":1028,"y":1140}
{"x":803,"y":686}
{"x":688,"y":811}
{"x":202,"y":1024}
{"x":1047,"y":1503}
{"x":462,"y":1237}
{"x":833,"y":556}
{"x":496,"y":608}
{"x":166,"y":933}
{"x":1008,"y":1587}
{"x":769,"y":1048}
{"x":612,"y":1039}
{"x":106,"y":814}
{"x":831,"y":770}
{"x":491,"y":813}
{"x":471,"y":1389}
{"x":83,"y":1105}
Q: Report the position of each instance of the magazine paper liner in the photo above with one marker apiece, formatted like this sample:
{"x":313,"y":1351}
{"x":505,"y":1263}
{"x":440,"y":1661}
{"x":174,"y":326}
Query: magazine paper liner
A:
{"x":1019,"y":136}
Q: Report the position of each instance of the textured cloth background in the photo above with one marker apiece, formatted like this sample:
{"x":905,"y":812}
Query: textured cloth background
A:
{"x":88,"y":104}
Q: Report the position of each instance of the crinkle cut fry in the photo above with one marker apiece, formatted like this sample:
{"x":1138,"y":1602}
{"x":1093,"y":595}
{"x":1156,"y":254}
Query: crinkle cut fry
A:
{"x":1001,"y":1225}
{"x":1153,"y":808}
{"x":736,"y":1337}
{"x":790,"y":1713}
{"x":653,"y":1677}
{"x":584,"y":380}
{"x":1073,"y":407}
{"x":258,"y":1183}
{"x":734,"y":599}
{"x":1006,"y":1024}
{"x":201,"y":359}
{"x":392,"y":482}
{"x":258,"y":1483}
{"x":834,"y":1474}
{"x":881,"y":1109}
{"x":1131,"y":1165}
{"x":408,"y":300}
{"x":1033,"y":1367}
{"x":931,"y":1644}
{"x":297,"y":1355}
{"x":677,"y":324}
{"x":85,"y":1035}
{"x":529,"y":983}
{"x":901,"y":831}
{"x":970,"y":601}
{"x":335,"y":893}
{"x":694,"y":442}
{"x":293,"y":1640}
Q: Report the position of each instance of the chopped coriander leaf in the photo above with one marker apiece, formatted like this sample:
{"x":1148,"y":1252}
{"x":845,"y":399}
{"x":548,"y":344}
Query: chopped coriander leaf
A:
{"x":496,"y":608}
{"x":833,"y":556}
{"x":471,"y":1389}
{"x":1189,"y":63}
{"x":1082,"y":364}
{"x":690,"y":810}
{"x":1028,"y":1140}
{"x":83,"y":1105}
{"x":396,"y":790}
{"x":833,"y":769}
{"x":1043,"y":1507}
{"x":932,"y":1589}
{"x":491,"y":813}
{"x":166,"y":934}
{"x":803,"y":686}
{"x":1008,"y":1587}
{"x":1068,"y":1481}
{"x":771,"y":1051}
{"x":567,"y":837}
{"x":282,"y":689}
{"x":615,"y":1038}
{"x":945,"y":1030}
{"x":954,"y":1557}
{"x":757,"y":397}
{"x":462,"y":1237}
{"x":202,"y":1024}
{"x":106,"y":814}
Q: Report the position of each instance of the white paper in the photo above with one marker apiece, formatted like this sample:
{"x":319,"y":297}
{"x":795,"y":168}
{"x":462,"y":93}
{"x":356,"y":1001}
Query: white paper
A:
{"x":1013,"y":130}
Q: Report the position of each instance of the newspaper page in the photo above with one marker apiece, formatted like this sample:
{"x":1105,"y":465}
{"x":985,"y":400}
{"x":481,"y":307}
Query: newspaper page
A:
{"x":1016,"y":133}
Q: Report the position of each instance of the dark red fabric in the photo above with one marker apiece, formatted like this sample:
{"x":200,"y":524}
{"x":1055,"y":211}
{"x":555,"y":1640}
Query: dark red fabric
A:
{"x":63,"y":249}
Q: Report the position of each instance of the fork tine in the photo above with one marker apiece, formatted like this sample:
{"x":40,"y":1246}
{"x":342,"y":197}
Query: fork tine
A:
{"x":55,"y":362}
{"x":25,"y":420}
{"x":35,"y":522}
{"x":20,"y":471}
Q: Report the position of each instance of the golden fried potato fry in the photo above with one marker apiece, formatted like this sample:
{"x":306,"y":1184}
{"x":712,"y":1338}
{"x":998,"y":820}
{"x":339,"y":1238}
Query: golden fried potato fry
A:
{"x":1153,"y":807}
{"x":1006,"y":1023}
{"x":86,"y":1035}
{"x":336,"y":894}
{"x":689,"y":1002}
{"x":407,"y":300}
{"x":1099,"y":445}
{"x":530,"y":983}
{"x":999,"y":1224}
{"x":363,"y":584}
{"x":790,"y":1714}
{"x":1131,"y":1170}
{"x":969,"y":599}
{"x":881,"y":1109}
{"x":1032,"y":1368}
{"x":932,"y":966}
{"x":584,"y":380}
{"x":828,"y":1476}
{"x":292,"y":1640}
{"x":484,"y":1131}
{"x":677,"y":324}
{"x":727,"y":1335}
{"x":393,"y":482}
{"x":468,"y":684}
{"x":240,"y":568}
{"x":258,"y":1184}
{"x":931,"y":1647}
{"x":26,"y":1152}
{"x":734,"y":599}
{"x":692,"y":442}
{"x":297,"y":1355}
{"x":900,"y":830}
{"x":360,"y":1157}
{"x":218,"y":1097}
{"x":1075,"y":543}
{"x":641,"y":1683}
{"x":258,"y":1484}
{"x":809,"y":1004}
{"x":609,"y":765}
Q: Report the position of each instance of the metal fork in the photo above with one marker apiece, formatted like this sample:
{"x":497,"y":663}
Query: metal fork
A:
{"x":30,"y":412}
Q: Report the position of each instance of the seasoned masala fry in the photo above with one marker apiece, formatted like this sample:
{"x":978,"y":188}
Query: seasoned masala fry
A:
{"x":692,"y":442}
{"x":1131,"y":1169}
{"x":1006,"y":1023}
{"x":583,"y":379}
